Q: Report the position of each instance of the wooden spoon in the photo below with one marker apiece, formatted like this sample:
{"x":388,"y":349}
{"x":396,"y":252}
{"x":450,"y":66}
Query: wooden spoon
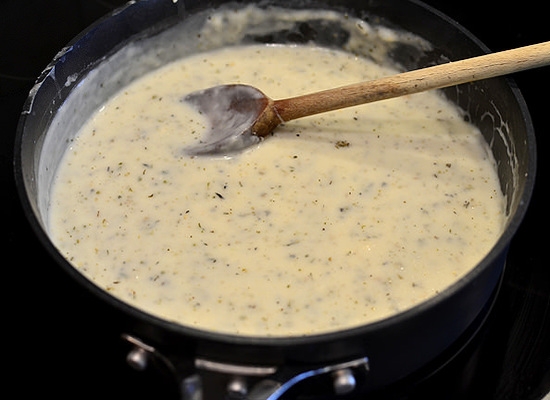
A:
{"x":241,"y":115}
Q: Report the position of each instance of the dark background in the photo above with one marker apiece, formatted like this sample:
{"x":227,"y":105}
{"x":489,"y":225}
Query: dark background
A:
{"x":59,"y":345}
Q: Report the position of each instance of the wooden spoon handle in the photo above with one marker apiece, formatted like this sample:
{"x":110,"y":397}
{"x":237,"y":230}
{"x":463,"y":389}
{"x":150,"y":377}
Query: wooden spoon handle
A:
{"x":439,"y":76}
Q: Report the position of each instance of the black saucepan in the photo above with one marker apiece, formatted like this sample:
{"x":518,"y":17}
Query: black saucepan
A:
{"x":367,"y":358}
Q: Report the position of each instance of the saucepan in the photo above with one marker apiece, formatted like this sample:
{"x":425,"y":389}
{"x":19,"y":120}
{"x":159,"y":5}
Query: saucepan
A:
{"x":209,"y":364}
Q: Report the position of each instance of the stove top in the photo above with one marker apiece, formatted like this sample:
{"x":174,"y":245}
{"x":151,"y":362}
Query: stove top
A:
{"x":64,"y":351}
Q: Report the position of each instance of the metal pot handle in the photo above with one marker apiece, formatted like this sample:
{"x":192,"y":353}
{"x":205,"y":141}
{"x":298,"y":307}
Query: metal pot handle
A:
{"x":271,"y":383}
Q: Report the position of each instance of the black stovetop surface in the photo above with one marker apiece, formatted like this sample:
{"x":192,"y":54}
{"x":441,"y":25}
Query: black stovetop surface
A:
{"x":54,"y":348}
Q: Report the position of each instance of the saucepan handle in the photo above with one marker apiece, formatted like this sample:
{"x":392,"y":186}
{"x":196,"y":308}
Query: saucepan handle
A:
{"x":270,"y":382}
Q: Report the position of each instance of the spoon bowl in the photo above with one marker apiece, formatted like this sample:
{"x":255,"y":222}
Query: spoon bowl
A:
{"x":232,"y":111}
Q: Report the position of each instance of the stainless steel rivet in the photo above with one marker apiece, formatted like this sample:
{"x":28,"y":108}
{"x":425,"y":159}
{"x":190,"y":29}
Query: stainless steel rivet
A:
{"x":237,"y":387}
{"x":138,"y":358}
{"x":344,"y":381}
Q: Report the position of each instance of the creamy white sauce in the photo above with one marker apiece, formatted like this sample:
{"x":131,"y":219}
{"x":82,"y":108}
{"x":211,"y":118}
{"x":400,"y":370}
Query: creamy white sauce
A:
{"x":337,"y":220}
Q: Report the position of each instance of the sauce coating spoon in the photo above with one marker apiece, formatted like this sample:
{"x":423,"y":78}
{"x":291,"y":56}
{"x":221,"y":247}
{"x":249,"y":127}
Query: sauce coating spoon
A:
{"x":241,"y":115}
